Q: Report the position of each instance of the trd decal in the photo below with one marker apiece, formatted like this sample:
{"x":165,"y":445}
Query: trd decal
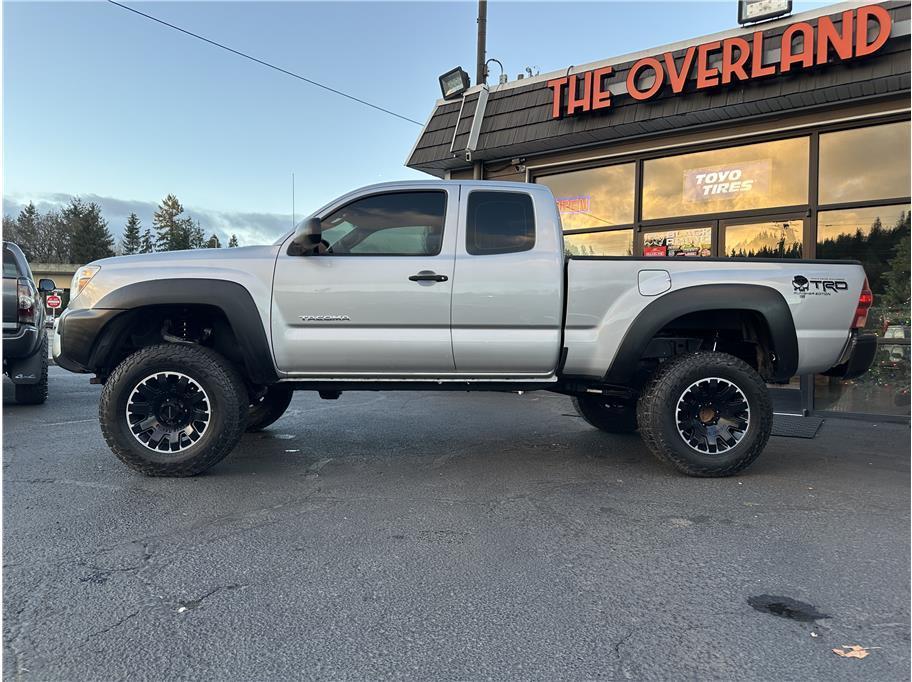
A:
{"x":817,"y":287}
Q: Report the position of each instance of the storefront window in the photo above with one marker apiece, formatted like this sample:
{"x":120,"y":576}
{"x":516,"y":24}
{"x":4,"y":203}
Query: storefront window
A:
{"x":613,"y":243}
{"x":865,"y":163}
{"x":695,"y":242}
{"x":596,"y":197}
{"x":879,"y":238}
{"x":771,"y":239}
{"x":753,"y":176}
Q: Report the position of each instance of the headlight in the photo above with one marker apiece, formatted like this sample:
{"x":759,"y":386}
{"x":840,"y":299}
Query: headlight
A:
{"x":82,"y":277}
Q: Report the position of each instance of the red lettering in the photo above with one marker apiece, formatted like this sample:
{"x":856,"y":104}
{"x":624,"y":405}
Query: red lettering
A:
{"x":575,"y":103}
{"x":828,"y":36}
{"x":706,"y":77}
{"x":757,"y":68}
{"x":677,"y":79}
{"x":885,"y":23}
{"x":633,"y":74}
{"x":601,"y":98}
{"x":806,"y":56}
{"x":734,"y":66}
{"x":556,"y":85}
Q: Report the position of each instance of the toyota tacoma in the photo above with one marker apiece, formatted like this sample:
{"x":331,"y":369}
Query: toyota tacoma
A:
{"x":451,"y":285}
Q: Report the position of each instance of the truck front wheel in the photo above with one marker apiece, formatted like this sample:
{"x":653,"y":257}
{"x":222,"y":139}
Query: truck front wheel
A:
{"x":707,"y":414}
{"x":611,"y":415}
{"x":173,"y":409}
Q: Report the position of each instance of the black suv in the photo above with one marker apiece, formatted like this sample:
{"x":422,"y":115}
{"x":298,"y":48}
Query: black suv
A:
{"x":25,"y":338}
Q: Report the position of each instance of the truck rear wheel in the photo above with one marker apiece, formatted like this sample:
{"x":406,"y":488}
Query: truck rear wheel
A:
{"x":173,"y":409}
{"x":269,"y":407}
{"x":707,"y":414}
{"x":611,"y":415}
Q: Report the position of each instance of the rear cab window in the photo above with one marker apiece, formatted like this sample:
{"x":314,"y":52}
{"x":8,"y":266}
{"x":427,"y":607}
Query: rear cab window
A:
{"x":499,"y":222}
{"x":9,"y":264}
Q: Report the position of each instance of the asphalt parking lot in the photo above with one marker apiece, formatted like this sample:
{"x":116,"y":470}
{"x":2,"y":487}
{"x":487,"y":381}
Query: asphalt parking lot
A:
{"x":455,"y":536}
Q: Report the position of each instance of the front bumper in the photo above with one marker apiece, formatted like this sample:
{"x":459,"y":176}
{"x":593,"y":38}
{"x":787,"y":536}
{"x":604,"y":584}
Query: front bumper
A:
{"x":75,"y":337}
{"x":857,"y":358}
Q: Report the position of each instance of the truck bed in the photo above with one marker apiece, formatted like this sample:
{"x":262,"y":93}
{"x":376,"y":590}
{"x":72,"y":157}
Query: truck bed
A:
{"x":605,"y":294}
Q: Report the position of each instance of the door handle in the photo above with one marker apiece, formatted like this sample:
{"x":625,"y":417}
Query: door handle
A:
{"x":428,"y":276}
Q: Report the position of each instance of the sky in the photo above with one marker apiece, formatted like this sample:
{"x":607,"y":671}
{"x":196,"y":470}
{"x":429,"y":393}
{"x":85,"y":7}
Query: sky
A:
{"x":104,"y":104}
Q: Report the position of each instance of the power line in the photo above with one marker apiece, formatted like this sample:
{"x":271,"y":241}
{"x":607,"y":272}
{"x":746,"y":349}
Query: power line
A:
{"x":265,"y":63}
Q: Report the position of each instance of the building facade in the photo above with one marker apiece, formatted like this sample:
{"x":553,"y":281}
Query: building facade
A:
{"x":784,"y":139}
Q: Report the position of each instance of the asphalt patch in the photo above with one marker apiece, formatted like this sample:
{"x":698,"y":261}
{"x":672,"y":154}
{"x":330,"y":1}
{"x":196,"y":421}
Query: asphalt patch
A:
{"x":786,"y":607}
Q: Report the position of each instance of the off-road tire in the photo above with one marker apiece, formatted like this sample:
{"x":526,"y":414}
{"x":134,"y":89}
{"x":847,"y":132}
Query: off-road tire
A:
{"x":657,"y":418}
{"x":35,"y":394}
{"x":228,"y":401}
{"x":269,"y":407}
{"x":608,"y":414}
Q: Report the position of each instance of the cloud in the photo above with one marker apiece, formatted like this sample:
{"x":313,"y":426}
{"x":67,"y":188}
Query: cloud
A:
{"x":250,"y":228}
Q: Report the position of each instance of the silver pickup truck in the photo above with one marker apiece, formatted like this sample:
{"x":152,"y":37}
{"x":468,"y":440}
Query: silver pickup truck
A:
{"x":448,"y":285}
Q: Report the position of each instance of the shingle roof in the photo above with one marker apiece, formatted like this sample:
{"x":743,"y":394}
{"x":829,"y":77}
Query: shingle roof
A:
{"x":517,"y":120}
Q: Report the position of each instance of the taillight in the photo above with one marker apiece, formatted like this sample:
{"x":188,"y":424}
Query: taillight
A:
{"x":865,"y":301}
{"x":26,"y":302}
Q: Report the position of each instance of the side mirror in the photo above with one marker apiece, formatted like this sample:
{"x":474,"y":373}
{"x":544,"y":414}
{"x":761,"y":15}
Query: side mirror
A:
{"x":307,"y":238}
{"x":46,"y":286}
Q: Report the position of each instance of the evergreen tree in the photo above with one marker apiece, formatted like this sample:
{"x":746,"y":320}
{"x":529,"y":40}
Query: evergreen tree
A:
{"x":131,"y":241}
{"x":233,"y":241}
{"x":147,"y":243}
{"x":53,"y":239}
{"x":90,"y":238}
{"x":9,"y":228}
{"x":173,"y":229}
{"x":26,"y":235}
{"x":197,"y":238}
{"x":213,"y":242}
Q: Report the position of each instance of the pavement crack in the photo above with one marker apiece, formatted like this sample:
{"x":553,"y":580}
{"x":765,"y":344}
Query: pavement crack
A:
{"x":622,"y":641}
{"x":115,"y":625}
{"x":191,"y":604}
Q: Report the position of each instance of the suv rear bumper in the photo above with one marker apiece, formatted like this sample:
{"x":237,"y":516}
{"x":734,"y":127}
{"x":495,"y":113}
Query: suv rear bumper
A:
{"x":857,"y":357}
{"x":24,"y":354}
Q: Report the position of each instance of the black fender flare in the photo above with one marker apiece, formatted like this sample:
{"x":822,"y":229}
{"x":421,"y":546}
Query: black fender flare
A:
{"x":765,"y":301}
{"x":233,"y":299}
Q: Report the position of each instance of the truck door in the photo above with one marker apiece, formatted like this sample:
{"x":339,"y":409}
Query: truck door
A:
{"x":509,"y":281}
{"x":378,"y":302}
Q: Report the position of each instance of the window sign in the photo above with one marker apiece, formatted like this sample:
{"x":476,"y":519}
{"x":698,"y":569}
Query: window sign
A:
{"x":752,"y":176}
{"x":728,"y":181}
{"x":573,"y":205}
{"x":693,"y":243}
{"x":594,"y":197}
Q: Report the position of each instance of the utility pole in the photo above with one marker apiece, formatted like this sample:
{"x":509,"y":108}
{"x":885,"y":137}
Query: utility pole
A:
{"x":481,"y":77}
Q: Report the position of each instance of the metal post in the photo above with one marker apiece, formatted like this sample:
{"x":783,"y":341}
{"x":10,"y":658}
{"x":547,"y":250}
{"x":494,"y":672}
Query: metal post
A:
{"x":480,"y":75}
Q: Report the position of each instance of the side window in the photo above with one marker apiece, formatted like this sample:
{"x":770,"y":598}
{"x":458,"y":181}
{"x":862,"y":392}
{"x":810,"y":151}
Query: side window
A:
{"x":394,"y":224}
{"x":9,"y":265}
{"x":499,"y":222}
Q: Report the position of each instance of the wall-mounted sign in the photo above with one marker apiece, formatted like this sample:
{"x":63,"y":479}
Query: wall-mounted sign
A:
{"x":861,"y":32}
{"x":728,"y":181}
{"x":758,"y":10}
